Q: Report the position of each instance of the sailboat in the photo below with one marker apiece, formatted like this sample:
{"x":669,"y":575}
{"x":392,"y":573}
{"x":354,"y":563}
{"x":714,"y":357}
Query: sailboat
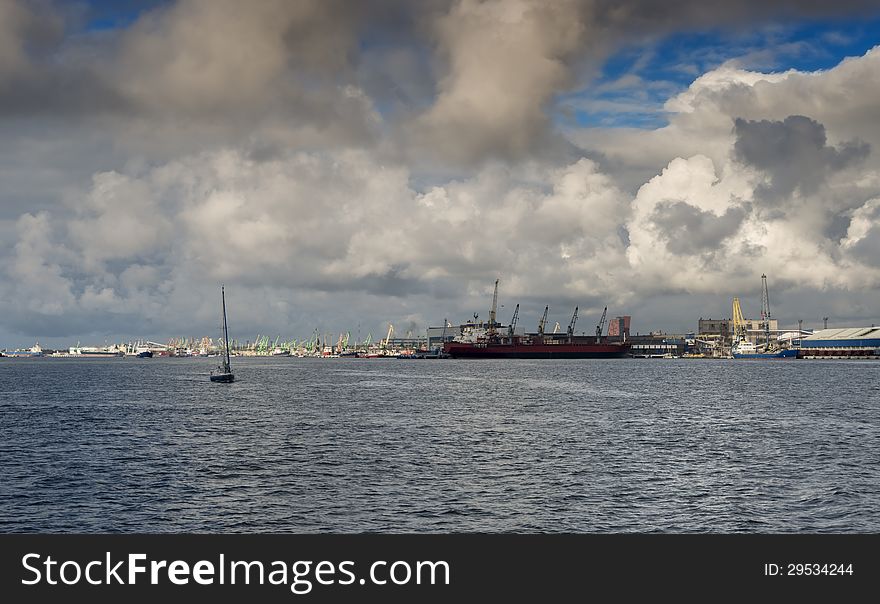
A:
{"x":224,"y":371}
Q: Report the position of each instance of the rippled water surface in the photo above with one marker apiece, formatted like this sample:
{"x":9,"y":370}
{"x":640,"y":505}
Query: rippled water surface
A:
{"x":355,"y":445}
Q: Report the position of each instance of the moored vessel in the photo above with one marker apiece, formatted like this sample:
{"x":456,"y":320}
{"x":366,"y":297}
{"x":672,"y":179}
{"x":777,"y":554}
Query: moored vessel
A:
{"x":748,"y":350}
{"x":32,"y":352}
{"x":490,"y":340}
{"x":529,"y":347}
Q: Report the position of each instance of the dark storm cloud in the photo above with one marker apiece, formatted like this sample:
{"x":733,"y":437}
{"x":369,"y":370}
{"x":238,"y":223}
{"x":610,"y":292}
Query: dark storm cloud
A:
{"x":867,"y":249}
{"x":690,"y":230}
{"x":481,"y":75}
{"x":794,"y":153}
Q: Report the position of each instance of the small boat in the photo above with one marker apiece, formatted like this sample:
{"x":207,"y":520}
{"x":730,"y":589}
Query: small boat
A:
{"x":224,"y":371}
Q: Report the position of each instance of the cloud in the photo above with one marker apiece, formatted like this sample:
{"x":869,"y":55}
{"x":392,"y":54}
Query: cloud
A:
{"x":862,"y":240}
{"x":334,"y":223}
{"x":793,"y":153}
{"x":690,"y":230}
{"x":504,"y":60}
{"x":25,"y":30}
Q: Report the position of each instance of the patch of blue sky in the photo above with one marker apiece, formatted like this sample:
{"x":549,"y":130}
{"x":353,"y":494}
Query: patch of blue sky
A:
{"x":636,"y":81}
{"x":104,"y":15}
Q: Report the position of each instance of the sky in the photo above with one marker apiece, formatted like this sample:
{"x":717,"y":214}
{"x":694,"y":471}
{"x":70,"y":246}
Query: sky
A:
{"x":345,"y":165}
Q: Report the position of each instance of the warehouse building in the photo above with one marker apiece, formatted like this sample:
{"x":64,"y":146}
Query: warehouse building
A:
{"x":842,"y":343}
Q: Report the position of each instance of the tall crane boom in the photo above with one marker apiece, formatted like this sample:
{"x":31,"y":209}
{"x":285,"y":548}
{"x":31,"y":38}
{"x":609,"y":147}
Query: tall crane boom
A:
{"x":543,"y":321}
{"x":493,"y":309}
{"x":739,"y":323}
{"x":574,"y":319}
{"x":512,"y":325}
{"x":601,"y":325}
{"x":765,"y":309}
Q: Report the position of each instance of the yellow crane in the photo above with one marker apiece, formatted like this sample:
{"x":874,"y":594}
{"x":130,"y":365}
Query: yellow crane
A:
{"x":739,"y":323}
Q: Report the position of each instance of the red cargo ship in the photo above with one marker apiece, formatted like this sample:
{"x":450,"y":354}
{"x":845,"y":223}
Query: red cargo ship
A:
{"x":535,"y":347}
{"x":492,"y":341}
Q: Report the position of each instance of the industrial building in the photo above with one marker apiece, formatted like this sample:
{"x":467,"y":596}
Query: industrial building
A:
{"x":842,"y":343}
{"x":618,"y":327}
{"x":723,"y":328}
{"x":657,"y":345}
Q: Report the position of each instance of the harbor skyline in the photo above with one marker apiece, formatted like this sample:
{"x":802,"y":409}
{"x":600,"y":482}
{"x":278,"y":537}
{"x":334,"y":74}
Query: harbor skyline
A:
{"x":343,"y":168}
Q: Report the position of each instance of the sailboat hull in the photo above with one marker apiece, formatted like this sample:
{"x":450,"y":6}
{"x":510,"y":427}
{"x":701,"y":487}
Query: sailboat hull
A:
{"x":224,"y":375}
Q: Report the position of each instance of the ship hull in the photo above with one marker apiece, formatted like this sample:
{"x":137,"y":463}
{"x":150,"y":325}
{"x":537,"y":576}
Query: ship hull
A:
{"x":535,"y":351}
{"x":790,"y":353}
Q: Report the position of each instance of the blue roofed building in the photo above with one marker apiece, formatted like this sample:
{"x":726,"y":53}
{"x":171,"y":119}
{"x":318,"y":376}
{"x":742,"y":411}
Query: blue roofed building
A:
{"x":842,"y":343}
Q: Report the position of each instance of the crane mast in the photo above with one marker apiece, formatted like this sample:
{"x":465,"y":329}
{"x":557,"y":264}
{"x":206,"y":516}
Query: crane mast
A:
{"x":765,"y":310}
{"x":543,"y":321}
{"x":512,"y":325}
{"x":492,"y":311}
{"x":739,"y":323}
{"x":601,"y":325}
{"x":574,"y":319}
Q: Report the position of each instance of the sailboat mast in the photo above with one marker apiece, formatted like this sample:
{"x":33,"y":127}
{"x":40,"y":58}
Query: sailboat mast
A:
{"x":225,"y":331}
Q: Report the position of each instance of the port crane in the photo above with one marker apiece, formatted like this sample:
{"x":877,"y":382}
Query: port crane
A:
{"x":739,"y":323}
{"x":574,"y":319}
{"x":512,"y":325}
{"x":492,"y":311}
{"x":388,"y":337}
{"x":543,"y":321}
{"x":601,"y":326}
{"x":765,"y":310}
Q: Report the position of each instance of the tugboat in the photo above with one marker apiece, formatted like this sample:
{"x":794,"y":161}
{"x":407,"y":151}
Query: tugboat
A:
{"x":224,"y":371}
